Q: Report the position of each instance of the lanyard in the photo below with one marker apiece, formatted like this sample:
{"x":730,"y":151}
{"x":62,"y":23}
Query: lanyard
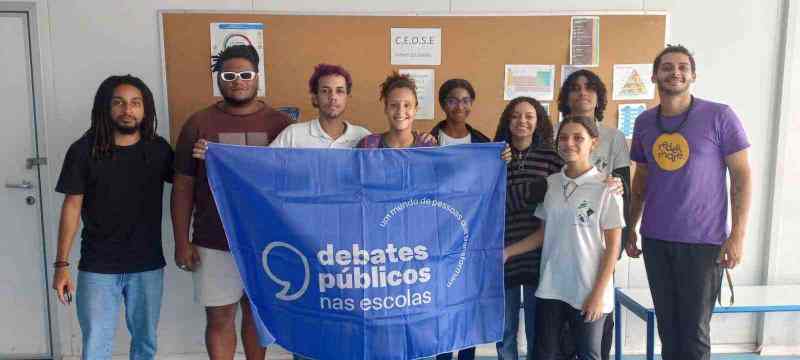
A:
{"x":730,"y":285}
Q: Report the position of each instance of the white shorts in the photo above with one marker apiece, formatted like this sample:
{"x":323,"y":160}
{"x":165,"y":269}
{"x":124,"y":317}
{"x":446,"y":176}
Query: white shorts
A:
{"x":216,"y":280}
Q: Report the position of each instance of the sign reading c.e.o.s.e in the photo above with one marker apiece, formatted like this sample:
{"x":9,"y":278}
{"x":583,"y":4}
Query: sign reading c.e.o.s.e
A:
{"x":416,"y":46}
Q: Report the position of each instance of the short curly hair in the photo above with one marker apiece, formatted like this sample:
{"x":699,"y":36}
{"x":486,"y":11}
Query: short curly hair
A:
{"x":397,"y":81}
{"x":592,"y":82}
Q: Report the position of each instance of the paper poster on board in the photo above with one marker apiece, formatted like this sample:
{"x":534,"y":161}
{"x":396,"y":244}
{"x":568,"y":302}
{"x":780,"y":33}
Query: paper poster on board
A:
{"x":224,"y":35}
{"x":535,"y":81}
{"x":416,"y":46}
{"x":546,"y":106}
{"x":626,"y":118}
{"x":567,"y":70}
{"x":632,"y":82}
{"x":584,"y":40}
{"x":424,"y":79}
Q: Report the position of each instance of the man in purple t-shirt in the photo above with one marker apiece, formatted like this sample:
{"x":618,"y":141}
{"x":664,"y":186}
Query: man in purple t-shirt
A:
{"x":683,"y":149}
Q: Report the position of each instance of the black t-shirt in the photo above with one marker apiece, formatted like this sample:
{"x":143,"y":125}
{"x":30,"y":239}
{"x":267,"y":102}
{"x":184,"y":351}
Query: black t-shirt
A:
{"x":122,"y":204}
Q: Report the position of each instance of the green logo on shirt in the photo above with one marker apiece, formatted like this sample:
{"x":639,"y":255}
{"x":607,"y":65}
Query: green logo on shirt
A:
{"x":584,"y":212}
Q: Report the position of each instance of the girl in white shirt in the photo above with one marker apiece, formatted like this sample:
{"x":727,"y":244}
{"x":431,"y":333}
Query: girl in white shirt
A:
{"x":580,"y":240}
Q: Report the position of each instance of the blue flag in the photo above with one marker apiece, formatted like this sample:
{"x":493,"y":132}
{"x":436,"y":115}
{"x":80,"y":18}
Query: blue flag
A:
{"x":367,"y":253}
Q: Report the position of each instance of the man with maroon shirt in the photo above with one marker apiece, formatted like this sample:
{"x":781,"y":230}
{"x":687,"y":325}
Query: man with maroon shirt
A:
{"x":239,"y":119}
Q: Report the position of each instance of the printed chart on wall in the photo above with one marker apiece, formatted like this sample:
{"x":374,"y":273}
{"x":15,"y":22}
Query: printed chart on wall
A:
{"x":584,"y":40}
{"x":627,"y":117}
{"x":546,"y":106}
{"x":632,"y":82}
{"x":535,"y":81}
{"x":224,"y":35}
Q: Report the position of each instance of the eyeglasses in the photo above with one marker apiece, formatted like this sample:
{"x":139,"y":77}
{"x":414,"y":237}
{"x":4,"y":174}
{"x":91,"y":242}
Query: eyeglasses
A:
{"x":232,"y":75}
{"x":452,"y":102}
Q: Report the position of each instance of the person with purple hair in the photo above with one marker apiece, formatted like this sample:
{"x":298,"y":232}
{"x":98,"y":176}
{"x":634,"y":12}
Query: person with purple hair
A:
{"x":330,"y":87}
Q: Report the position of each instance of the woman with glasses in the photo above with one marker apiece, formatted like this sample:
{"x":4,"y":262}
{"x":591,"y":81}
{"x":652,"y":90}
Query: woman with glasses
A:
{"x":456,"y":97}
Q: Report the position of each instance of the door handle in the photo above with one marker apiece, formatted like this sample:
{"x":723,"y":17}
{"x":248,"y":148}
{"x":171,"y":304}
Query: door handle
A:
{"x":25,"y":184}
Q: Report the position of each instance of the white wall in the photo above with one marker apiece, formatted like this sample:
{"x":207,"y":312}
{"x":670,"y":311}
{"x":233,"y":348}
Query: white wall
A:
{"x":785,"y":210}
{"x":736,"y":43}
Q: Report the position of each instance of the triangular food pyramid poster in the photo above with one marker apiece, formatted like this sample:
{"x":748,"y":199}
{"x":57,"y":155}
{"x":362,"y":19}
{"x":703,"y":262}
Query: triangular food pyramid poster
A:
{"x":631,"y":82}
{"x":634,"y":85}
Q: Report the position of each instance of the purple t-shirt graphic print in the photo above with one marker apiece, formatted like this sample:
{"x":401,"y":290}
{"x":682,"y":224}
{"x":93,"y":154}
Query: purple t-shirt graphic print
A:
{"x":686,"y":197}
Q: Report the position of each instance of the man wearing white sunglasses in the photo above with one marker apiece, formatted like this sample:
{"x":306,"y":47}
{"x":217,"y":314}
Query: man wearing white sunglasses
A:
{"x":241,"y":119}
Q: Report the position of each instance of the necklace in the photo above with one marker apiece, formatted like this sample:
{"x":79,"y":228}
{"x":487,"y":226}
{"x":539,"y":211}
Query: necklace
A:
{"x":567,"y":194}
{"x":519,"y":156}
{"x":660,"y":122}
{"x":671,"y":150}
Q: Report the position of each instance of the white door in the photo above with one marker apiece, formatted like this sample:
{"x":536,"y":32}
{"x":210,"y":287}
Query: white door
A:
{"x":24,"y":316}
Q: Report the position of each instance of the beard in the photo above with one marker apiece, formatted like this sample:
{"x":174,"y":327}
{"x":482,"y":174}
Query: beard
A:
{"x":125,"y":129}
{"x":332,"y":114}
{"x":238,"y":102}
{"x":327,"y":111}
{"x":663,"y":88}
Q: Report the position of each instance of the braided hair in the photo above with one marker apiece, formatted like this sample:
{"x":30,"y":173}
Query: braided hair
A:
{"x":247,"y":52}
{"x":101,"y":132}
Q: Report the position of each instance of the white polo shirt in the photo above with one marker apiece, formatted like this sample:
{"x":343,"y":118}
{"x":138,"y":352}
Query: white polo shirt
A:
{"x":575,"y":212}
{"x":309,"y":134}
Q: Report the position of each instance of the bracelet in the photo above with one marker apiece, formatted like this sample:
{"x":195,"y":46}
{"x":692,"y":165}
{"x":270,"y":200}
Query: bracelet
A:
{"x":60,"y":264}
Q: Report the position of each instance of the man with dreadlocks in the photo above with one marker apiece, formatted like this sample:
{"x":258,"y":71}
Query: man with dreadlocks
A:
{"x":238,"y":119}
{"x":113,"y":178}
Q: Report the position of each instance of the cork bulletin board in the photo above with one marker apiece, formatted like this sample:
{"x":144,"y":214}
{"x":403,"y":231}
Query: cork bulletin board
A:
{"x":475,"y":48}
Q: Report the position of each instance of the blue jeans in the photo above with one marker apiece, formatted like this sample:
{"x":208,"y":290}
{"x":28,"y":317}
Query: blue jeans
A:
{"x":507,"y":349}
{"x":98,"y":298}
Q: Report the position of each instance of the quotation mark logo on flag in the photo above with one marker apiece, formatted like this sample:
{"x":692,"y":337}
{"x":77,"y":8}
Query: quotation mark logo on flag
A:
{"x":367,"y":253}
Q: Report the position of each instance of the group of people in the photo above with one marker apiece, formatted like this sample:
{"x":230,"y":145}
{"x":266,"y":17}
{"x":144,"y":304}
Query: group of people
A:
{"x":567,"y":218}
